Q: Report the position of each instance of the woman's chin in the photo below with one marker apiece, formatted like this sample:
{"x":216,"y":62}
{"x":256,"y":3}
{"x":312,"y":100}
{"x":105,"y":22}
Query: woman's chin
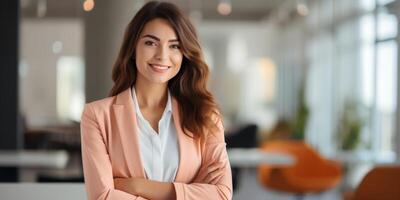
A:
{"x":160,"y":80}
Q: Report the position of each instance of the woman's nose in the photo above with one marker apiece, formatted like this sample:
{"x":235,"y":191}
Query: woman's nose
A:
{"x":162,"y":53}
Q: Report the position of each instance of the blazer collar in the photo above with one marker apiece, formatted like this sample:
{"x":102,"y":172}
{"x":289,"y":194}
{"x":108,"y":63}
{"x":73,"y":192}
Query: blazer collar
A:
{"x":125,"y":118}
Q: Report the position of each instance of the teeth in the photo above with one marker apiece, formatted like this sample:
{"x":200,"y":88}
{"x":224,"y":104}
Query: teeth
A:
{"x":160,"y":67}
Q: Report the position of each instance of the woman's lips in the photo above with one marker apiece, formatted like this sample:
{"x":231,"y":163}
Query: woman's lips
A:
{"x":159,"y":68}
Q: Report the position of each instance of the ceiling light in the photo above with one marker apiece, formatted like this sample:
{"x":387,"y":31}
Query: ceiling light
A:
{"x":57,"y":47}
{"x":302,"y":9}
{"x":88,"y":5}
{"x":224,"y":8}
{"x":41,"y":8}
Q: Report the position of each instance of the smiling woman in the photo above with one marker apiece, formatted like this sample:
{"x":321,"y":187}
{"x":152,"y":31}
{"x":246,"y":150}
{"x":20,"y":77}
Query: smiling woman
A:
{"x":158,"y":54}
{"x":159,"y":135}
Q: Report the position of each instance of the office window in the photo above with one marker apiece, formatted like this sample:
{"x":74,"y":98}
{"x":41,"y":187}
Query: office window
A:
{"x":379,"y":79}
{"x":367,"y":39}
{"x":367,"y":5}
{"x":386,"y":94}
{"x":70,"y":88}
{"x":387,"y":25}
{"x":360,"y":66}
{"x":384,"y":2}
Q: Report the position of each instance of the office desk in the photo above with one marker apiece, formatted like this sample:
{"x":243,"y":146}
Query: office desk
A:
{"x":253,"y":157}
{"x":34,"y":158}
{"x":42,"y":191}
{"x":248,"y":160}
{"x":363,"y":156}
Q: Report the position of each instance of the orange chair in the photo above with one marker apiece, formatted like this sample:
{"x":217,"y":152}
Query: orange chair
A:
{"x":382,"y":182}
{"x":311,"y":173}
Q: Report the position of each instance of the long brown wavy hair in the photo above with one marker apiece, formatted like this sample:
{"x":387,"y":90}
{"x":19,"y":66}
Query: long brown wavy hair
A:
{"x":197,"y":108}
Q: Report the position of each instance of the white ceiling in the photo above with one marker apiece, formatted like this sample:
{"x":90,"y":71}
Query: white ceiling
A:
{"x":241,"y":9}
{"x":249,"y":10}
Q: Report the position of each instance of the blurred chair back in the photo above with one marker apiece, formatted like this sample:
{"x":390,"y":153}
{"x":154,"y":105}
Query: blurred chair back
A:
{"x":310,"y":173}
{"x":245,"y":137}
{"x":382,"y":182}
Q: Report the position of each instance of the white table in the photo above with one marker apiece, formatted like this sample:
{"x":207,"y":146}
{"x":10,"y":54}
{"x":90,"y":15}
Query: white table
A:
{"x":364,"y":156}
{"x":253,"y":157}
{"x":34,"y":158}
{"x":248,"y":159}
{"x":42,"y":191}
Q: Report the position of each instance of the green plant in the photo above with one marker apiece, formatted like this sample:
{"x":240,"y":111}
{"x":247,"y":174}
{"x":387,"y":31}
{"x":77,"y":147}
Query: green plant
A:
{"x":350,"y":127}
{"x":300,"y":123}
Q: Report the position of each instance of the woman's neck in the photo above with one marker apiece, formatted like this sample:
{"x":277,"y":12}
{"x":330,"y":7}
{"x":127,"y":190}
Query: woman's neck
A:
{"x":151,"y":95}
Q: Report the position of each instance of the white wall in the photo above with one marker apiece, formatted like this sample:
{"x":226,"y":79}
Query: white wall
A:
{"x":38,"y":64}
{"x":104,"y":29}
{"x":236,"y":49}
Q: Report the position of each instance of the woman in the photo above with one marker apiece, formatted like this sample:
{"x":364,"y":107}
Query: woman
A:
{"x":159,"y":135}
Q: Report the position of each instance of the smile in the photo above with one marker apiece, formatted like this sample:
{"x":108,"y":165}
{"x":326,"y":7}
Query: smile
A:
{"x":159,"y":68}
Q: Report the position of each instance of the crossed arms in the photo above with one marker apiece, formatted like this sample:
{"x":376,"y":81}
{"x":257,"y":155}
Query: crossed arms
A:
{"x":213,"y":180}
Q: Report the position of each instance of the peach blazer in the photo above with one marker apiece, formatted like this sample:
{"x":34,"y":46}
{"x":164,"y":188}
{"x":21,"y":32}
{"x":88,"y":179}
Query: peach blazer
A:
{"x":110,"y":149}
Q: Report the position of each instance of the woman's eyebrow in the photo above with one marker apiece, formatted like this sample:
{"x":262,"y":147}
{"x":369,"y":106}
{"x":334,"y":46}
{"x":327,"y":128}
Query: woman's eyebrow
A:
{"x":158,"y":39}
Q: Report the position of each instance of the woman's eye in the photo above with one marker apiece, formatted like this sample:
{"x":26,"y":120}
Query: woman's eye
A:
{"x":175,"y":46}
{"x":149,"y":43}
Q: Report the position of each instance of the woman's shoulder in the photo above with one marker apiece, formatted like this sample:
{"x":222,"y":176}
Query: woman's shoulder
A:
{"x":216,"y":131}
{"x":101,"y":105}
{"x":104,"y":106}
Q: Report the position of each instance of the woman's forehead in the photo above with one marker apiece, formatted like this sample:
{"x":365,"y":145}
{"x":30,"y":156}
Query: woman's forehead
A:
{"x":161,"y":29}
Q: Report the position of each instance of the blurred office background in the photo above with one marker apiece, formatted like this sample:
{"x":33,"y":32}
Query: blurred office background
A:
{"x":318,"y":72}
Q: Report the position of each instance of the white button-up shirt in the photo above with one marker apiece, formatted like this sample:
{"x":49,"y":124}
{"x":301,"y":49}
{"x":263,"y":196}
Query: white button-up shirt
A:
{"x":159,"y":151}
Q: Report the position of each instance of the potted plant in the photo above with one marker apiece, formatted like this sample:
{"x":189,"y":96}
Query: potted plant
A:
{"x":300,"y":123}
{"x":350,"y":126}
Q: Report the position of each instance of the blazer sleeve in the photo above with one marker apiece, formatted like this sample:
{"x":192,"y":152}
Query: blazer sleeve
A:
{"x":99,"y":180}
{"x":214,"y":150}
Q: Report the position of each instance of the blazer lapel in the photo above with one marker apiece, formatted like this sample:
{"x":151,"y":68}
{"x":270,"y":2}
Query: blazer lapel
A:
{"x":185,"y":146}
{"x":125,"y":117}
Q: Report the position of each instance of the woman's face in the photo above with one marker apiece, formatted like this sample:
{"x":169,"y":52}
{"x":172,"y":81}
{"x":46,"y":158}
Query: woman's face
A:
{"x":158,"y":53}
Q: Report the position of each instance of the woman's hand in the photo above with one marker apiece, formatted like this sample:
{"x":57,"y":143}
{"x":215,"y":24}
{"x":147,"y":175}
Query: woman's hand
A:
{"x":121,"y":184}
{"x":213,"y":174}
{"x":125,"y":184}
{"x":145,"y":188}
